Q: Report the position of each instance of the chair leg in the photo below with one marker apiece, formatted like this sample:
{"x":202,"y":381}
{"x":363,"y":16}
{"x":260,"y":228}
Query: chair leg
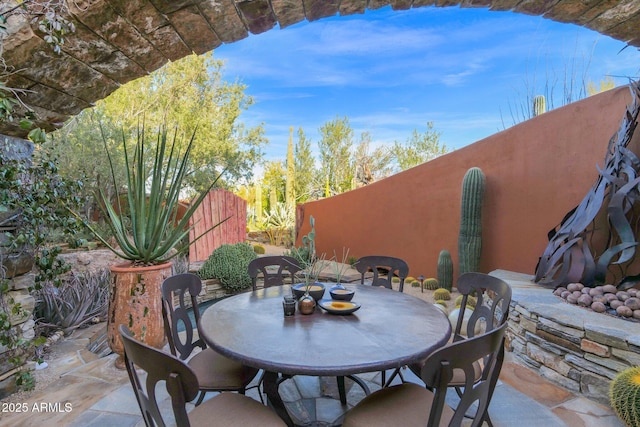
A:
{"x":397,"y":371}
{"x":201,"y":397}
{"x":341,"y":390}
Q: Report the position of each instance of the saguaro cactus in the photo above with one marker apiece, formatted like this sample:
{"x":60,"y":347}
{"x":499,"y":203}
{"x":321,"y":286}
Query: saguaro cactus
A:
{"x":470,"y":237}
{"x":445,"y":270}
{"x":539,"y":105}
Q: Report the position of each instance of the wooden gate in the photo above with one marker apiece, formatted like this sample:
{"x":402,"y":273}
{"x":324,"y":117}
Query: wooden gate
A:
{"x":218,"y":205}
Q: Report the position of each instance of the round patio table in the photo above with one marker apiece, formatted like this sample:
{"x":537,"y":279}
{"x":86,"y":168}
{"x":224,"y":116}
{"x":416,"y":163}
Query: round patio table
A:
{"x":390,"y":330}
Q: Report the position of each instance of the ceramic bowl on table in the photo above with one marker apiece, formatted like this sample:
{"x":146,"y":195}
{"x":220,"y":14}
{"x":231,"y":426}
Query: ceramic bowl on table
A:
{"x":339,"y":292}
{"x":316,"y":290}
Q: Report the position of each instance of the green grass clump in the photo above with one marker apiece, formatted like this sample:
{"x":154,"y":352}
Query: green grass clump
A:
{"x":441,"y":294}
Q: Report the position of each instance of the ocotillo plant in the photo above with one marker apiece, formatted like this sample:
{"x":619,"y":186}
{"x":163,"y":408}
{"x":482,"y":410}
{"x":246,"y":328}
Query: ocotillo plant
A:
{"x":470,"y":237}
{"x":445,"y":270}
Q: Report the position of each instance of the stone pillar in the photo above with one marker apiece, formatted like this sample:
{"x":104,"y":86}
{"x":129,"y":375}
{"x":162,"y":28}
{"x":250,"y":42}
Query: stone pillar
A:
{"x":16,"y":267}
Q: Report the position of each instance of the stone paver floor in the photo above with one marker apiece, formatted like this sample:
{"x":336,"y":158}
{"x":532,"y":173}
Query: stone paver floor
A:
{"x":90,"y":391}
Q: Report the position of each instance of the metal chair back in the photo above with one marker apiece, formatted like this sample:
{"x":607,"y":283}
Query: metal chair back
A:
{"x":181,"y":382}
{"x":493,"y":297}
{"x":464,"y":355}
{"x":181,"y":287}
{"x":395,"y":266}
{"x":284,"y":265}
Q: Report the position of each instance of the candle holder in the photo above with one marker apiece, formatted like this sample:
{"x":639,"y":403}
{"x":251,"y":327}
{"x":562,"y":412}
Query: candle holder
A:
{"x":289,"y":306}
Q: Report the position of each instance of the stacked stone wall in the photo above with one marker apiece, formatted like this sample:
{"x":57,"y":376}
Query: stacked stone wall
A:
{"x":575,"y":347}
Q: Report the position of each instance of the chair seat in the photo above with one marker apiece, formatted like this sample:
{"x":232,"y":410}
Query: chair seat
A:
{"x":232,"y":409}
{"x":217,"y":372}
{"x":458,"y":374}
{"x":405,"y":405}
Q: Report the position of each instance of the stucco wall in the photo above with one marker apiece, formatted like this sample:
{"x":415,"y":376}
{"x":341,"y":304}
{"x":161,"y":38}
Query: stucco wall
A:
{"x":535,"y":173}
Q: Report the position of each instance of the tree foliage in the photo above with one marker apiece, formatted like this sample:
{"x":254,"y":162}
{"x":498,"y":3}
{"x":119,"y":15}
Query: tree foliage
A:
{"x":191,"y":94}
{"x":304,"y":168}
{"x":419,"y":148}
{"x":336,"y":165}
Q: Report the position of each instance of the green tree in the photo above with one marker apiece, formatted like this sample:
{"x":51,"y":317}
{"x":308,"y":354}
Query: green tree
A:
{"x":191,"y":93}
{"x":419,"y":148}
{"x":304,"y":168}
{"x":336,"y":165}
{"x":274,"y":183}
{"x":81,"y":153}
{"x":290,"y":183}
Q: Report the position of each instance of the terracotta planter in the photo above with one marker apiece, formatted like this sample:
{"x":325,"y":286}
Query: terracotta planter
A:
{"x":135,"y":301}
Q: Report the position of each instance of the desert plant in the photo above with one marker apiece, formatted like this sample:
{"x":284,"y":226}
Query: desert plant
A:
{"x":146,"y":229}
{"x":229,"y":264}
{"x":395,"y":280}
{"x":624,"y":395}
{"x":441,"y":294}
{"x":471,"y":301}
{"x":539,"y":105}
{"x":259,"y":249}
{"x":352,"y":261}
{"x":409,"y":279}
{"x":306,"y":253}
{"x":76,"y":302}
{"x":340,"y":266}
{"x":470,"y":236}
{"x":415,"y":284}
{"x":445,"y":270}
{"x":431,"y":284}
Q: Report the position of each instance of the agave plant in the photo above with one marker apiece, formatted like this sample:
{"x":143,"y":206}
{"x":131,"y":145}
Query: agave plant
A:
{"x":146,"y":228}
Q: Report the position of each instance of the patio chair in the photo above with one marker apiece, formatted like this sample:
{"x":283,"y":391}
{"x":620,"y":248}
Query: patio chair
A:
{"x":392,"y":265}
{"x":225,"y":409}
{"x":215,"y":372}
{"x":493,"y":297}
{"x":414,"y":405}
{"x":286,"y":266}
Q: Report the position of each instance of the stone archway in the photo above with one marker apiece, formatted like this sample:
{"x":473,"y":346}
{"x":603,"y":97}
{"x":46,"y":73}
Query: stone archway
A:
{"x":120,"y":40}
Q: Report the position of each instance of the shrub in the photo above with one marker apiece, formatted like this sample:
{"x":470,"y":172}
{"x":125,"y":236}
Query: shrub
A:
{"x":259,"y":249}
{"x":229,"y":264}
{"x":441,"y":294}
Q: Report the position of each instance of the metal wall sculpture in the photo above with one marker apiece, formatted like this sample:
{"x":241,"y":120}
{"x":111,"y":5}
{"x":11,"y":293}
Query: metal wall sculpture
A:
{"x":598,"y":238}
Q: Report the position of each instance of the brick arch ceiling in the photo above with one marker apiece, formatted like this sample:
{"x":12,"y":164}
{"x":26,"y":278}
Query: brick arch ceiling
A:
{"x":120,"y":40}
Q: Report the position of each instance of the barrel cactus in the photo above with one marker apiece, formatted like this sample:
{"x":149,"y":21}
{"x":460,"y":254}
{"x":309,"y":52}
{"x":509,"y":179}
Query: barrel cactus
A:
{"x":624,"y":395}
{"x":441,"y":294}
{"x":471,"y":301}
{"x":445,"y":270}
{"x":431,"y":284}
{"x":415,"y":284}
{"x":470,"y":236}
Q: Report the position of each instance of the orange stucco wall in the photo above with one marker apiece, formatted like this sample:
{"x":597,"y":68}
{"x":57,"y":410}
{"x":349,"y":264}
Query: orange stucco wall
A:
{"x":535,"y":173}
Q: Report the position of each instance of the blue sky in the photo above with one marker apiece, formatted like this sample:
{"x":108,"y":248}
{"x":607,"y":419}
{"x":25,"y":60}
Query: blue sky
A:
{"x":391,"y":72}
